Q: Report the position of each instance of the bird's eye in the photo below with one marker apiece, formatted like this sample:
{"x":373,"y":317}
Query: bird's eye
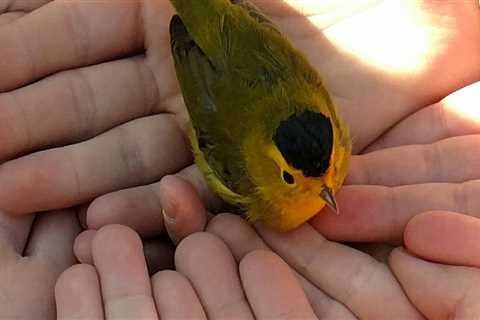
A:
{"x":288,"y":178}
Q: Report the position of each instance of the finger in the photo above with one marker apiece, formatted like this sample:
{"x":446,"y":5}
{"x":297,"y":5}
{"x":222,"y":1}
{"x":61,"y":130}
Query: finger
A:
{"x":51,"y":239}
{"x":14,"y":233}
{"x":455,"y":115}
{"x":345,"y":274}
{"x":283,"y":298}
{"x":158,"y":252}
{"x":81,"y":104}
{"x":80,"y":33}
{"x":445,"y":237}
{"x":77,"y":294}
{"x":206,"y":261}
{"x":438,"y":291}
{"x":125,"y":284}
{"x":21,"y":5}
{"x":82,"y":247}
{"x":136,"y":153}
{"x":117,"y":207}
{"x":175,"y":297}
{"x":242,"y":239}
{"x":380,"y":214}
{"x":415,"y":164}
{"x":183,"y":215}
{"x":138,"y":208}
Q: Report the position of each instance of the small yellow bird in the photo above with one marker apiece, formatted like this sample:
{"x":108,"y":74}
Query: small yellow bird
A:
{"x":264,"y":130}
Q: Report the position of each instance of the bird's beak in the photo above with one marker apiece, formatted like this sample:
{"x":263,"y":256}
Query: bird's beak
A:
{"x":327,"y":196}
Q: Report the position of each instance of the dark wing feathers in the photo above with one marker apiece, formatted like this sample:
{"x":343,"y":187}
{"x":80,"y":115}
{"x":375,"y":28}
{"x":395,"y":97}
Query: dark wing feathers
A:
{"x":202,"y":80}
{"x":194,"y":68}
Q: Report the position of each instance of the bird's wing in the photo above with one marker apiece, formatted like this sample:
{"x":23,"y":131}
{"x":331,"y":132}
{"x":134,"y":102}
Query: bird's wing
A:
{"x":198,"y":76}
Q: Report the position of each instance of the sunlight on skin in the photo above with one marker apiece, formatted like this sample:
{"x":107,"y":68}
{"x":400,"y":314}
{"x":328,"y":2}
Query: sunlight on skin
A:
{"x":326,"y":12}
{"x":465,"y":103}
{"x":399,"y":40}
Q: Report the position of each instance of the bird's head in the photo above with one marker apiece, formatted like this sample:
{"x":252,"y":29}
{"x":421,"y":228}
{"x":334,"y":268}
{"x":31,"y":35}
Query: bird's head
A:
{"x":302,"y":166}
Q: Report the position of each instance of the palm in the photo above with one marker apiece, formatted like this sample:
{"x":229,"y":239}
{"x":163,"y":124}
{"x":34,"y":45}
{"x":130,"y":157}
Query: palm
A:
{"x":382,"y":61}
{"x":31,"y":261}
{"x":370,"y":63}
{"x":379,"y":81}
{"x":120,"y":112}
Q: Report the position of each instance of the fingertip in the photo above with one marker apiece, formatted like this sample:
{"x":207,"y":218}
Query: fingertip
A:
{"x":183,"y":211}
{"x":397,"y":255}
{"x":138,"y":208}
{"x":201,"y":247}
{"x":77,"y":293}
{"x":102,"y":211}
{"x":251,"y":262}
{"x":110,"y":239}
{"x":82,"y":247}
{"x":237,"y":233}
{"x":421,"y":222}
{"x":74,"y":278}
{"x":224,"y":223}
{"x":109,"y":233}
{"x":445,"y":237}
{"x":191,"y":244}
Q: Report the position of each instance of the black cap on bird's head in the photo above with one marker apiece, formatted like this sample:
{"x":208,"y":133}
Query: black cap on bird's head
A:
{"x":305,"y":141}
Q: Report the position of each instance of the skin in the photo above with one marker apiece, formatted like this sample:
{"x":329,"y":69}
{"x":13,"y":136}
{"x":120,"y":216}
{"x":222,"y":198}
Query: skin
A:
{"x":437,"y":291}
{"x":147,"y":100}
{"x":112,"y":289}
{"x":31,"y":263}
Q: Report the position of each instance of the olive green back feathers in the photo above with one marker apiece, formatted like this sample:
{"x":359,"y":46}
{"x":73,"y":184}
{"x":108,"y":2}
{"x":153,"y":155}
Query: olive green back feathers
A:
{"x":241,"y":79}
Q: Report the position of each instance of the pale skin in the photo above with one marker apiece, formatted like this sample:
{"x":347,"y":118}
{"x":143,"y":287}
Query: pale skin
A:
{"x":326,"y":280}
{"x":135,"y":99}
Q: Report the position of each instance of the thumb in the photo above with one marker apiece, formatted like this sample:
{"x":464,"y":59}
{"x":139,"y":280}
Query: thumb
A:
{"x":183,"y":211}
{"x":445,"y":237}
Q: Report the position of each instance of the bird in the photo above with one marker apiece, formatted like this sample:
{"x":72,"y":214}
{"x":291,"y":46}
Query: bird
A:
{"x":263,"y":128}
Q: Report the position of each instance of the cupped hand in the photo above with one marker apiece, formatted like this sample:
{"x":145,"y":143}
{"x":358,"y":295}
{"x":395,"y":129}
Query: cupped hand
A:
{"x":428,"y":161}
{"x":340,"y":282}
{"x":440,"y":271}
{"x":32,"y":256}
{"x":105,"y":113}
{"x":207,"y":283}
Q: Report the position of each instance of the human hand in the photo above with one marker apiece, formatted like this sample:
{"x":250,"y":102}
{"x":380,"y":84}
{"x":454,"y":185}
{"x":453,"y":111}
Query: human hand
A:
{"x":340,"y":282}
{"x":33,"y":253}
{"x":134,"y":158}
{"x":207,"y":283}
{"x":368,"y":107}
{"x":448,"y":287}
{"x":413,"y":168}
{"x":428,"y":161}
{"x":369,"y":212}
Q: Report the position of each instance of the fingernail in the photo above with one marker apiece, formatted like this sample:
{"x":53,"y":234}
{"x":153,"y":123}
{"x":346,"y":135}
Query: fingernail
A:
{"x":168,"y":216}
